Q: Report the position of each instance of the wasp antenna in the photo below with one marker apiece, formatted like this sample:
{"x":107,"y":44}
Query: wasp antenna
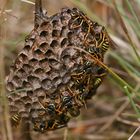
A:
{"x":38,"y":12}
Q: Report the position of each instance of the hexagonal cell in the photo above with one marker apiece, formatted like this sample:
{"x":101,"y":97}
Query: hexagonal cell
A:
{"x":19,"y":104}
{"x":23,"y":58}
{"x":38,"y":54}
{"x":18,"y":64}
{"x":49,"y":53}
{"x":44,"y":65}
{"x":10,"y":86}
{"x":70,"y":35}
{"x":64,"y":42}
{"x":26,"y":85}
{"x":43,"y":46}
{"x":54,"y":43}
{"x":22,"y":93}
{"x":27,"y":48}
{"x":46,"y":25}
{"x":54,"y":63}
{"x":30,"y":93}
{"x":27,"y":68}
{"x":13,"y":108}
{"x":24,"y":114}
{"x":40,"y":73}
{"x":53,"y":74}
{"x":40,"y":93}
{"x":46,"y":84}
{"x":44,"y":33}
{"x":65,"y":19}
{"x":36,"y":105}
{"x":26,"y":99}
{"x":17,"y":81}
{"x":33,"y":62}
{"x":56,"y":23}
{"x":64,"y":31}
{"x":66,"y":79}
{"x":63,"y":71}
{"x":21,"y":73}
{"x":57,"y":81}
{"x":14,"y":96}
{"x":34,"y":81}
{"x":56,"y":33}
{"x":28,"y":106}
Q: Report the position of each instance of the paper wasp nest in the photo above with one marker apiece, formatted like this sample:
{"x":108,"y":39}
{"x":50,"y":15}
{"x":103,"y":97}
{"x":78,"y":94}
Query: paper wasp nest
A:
{"x":52,"y":77}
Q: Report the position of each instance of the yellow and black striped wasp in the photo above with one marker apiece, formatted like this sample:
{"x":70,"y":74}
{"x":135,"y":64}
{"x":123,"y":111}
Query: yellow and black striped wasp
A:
{"x":79,"y":19}
{"x":102,"y":40}
{"x":15,"y":119}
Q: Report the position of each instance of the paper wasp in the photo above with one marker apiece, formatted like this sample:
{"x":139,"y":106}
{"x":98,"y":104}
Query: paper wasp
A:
{"x":53,"y":123}
{"x":102,"y":40}
{"x":15,"y":119}
{"x":40,"y":125}
{"x":90,"y":27}
{"x":81,"y":20}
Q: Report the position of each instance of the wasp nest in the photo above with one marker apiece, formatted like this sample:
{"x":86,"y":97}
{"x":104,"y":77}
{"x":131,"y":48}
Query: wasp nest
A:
{"x":55,"y":73}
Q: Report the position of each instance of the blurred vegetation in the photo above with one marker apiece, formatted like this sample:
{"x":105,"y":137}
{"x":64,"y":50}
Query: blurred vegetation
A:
{"x":113,"y":114}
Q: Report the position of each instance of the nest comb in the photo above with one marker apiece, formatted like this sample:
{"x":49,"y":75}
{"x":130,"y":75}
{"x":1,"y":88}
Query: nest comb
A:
{"x":52,"y":77}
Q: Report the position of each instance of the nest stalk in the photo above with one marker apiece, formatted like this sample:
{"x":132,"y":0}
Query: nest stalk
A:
{"x":38,"y":12}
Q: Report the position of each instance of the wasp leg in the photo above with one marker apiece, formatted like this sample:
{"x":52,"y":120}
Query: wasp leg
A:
{"x":77,"y":26}
{"x":85,"y":37}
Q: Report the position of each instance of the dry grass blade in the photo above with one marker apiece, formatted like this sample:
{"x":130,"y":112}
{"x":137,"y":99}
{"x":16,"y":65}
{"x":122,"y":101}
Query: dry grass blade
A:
{"x":2,"y":91}
{"x":84,"y":8}
{"x":125,"y":30}
{"x":89,"y":123}
{"x":131,"y":123}
{"x":6,"y":126}
{"x":65,"y":134}
{"x":115,"y":116}
{"x":29,"y":2}
{"x":133,"y":13}
{"x":130,"y":138}
{"x":97,"y":61}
